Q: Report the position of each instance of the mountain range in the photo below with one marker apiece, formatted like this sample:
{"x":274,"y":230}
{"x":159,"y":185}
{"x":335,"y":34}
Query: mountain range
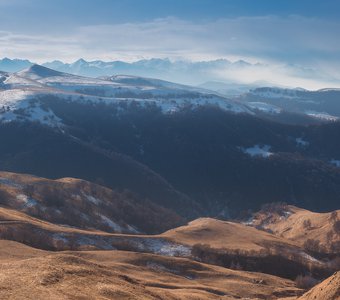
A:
{"x":174,"y":184}
{"x":185,"y":148}
{"x":222,"y":75}
{"x":155,"y":67}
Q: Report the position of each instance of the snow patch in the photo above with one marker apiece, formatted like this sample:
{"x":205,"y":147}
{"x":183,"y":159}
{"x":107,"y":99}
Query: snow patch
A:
{"x":308,"y":257}
{"x":27,"y":201}
{"x":264,"y":107}
{"x":287,"y":214}
{"x":132,"y":229}
{"x":257,"y":150}
{"x":301,"y":142}
{"x":321,"y":115}
{"x":164,"y":247}
{"x":249,"y":222}
{"x":110,"y":223}
{"x":92,"y":199}
{"x":335,"y":162}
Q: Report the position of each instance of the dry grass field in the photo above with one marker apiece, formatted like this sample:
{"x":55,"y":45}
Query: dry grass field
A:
{"x":27,"y":273}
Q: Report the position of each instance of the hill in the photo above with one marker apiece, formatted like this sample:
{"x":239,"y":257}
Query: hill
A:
{"x":227,"y":244}
{"x":126,"y":275}
{"x":224,"y":245}
{"x":85,"y":205}
{"x":235,"y":245}
{"x":225,"y":235}
{"x":318,"y":232}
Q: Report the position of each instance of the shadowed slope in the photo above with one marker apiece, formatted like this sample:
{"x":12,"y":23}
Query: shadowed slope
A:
{"x":83,"y":204}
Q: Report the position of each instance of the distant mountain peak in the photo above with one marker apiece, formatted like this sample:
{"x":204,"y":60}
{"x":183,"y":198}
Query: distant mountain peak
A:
{"x":13,"y":65}
{"x":39,"y":71}
{"x":79,"y":62}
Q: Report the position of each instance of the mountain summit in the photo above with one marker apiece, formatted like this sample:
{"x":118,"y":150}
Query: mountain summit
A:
{"x":36,"y":72}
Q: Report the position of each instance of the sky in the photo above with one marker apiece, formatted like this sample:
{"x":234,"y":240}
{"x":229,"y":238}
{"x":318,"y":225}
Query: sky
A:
{"x":295,"y":42}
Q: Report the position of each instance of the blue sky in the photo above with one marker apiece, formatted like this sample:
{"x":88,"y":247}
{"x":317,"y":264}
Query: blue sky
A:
{"x":301,"y":37}
{"x":83,"y":12}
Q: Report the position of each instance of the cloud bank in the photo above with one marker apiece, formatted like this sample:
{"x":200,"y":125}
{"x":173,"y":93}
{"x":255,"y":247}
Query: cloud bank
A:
{"x":291,"y":50}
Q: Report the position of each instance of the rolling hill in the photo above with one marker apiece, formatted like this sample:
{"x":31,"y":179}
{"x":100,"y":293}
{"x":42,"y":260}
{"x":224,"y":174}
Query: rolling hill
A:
{"x":204,"y":259}
{"x":318,"y":231}
{"x":103,"y":275}
{"x":70,"y":214}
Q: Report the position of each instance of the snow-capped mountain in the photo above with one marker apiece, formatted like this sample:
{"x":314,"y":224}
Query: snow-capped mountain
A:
{"x":179,"y":71}
{"x":22,"y":94}
{"x":154,"y":67}
{"x":14,"y":65}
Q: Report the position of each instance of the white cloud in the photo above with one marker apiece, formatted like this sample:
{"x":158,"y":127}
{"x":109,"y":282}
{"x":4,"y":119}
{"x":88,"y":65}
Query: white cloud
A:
{"x":310,"y":43}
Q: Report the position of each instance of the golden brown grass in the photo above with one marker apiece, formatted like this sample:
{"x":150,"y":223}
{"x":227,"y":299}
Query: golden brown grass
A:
{"x":301,"y":225}
{"x":223,"y":234}
{"x":33,"y":274}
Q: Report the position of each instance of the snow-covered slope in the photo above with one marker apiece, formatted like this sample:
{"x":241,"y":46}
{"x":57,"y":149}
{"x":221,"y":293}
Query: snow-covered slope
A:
{"x":22,"y":94}
{"x":321,"y":104}
{"x":265,"y":107}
